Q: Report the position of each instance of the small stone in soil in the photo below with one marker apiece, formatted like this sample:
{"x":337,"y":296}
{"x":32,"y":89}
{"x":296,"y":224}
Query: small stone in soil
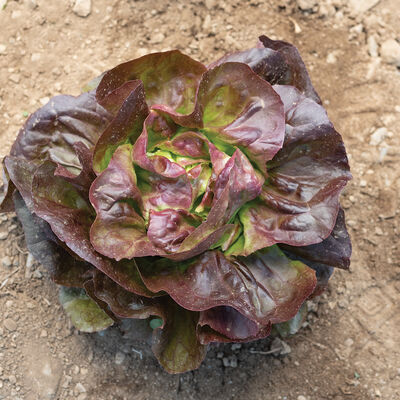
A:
{"x":82,"y":8}
{"x":390,"y":52}
{"x":119,"y":358}
{"x":3,"y":235}
{"x":6,"y":261}
{"x":10,"y":324}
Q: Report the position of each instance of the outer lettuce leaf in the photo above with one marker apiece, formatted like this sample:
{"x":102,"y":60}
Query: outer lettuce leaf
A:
{"x":175,"y":344}
{"x":225,"y":324}
{"x":122,"y":303}
{"x":8,"y":188}
{"x":50,"y":132}
{"x":267,"y":63}
{"x":86,"y":176}
{"x":41,"y":242}
{"x":293,"y":72}
{"x":126,"y":125}
{"x":85,"y":314}
{"x":70,"y":217}
{"x":299,"y":201}
{"x":21,"y":174}
{"x":292,"y":326}
{"x":333,"y":252}
{"x":266,"y":287}
{"x":240,"y":109}
{"x":170,"y":79}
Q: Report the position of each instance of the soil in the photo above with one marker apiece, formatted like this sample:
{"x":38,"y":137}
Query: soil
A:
{"x":350,"y":345}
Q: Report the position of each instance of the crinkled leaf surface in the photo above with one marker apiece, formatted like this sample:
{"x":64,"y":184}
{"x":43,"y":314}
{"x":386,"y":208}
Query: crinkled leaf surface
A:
{"x":241,"y":109}
{"x":170,"y":79}
{"x":292,"y":71}
{"x":126,"y":125}
{"x":225,"y":324}
{"x":299,"y":202}
{"x":265,"y":287}
{"x":70,"y":217}
{"x":85,"y":314}
{"x":50,"y":132}
{"x":333,"y":252}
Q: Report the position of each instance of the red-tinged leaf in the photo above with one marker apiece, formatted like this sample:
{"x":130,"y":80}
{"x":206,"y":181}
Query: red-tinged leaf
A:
{"x":299,"y":202}
{"x":130,"y":108}
{"x":119,"y":230}
{"x":292,"y":71}
{"x":50,"y":132}
{"x":21,"y":174}
{"x":8,"y":188}
{"x":122,"y":303}
{"x":225,"y":324}
{"x":267,"y":63}
{"x":85,"y":178}
{"x":265,"y":287}
{"x":64,"y":269}
{"x":175,"y":344}
{"x":168,"y":228}
{"x":154,"y":163}
{"x":244,"y":183}
{"x":170,"y":79}
{"x":70,"y":217}
{"x":333,"y":252}
{"x":241,"y":109}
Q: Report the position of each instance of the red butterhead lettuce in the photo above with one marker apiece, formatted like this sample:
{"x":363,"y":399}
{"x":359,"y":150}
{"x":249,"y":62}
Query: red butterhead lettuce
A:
{"x":206,"y":197}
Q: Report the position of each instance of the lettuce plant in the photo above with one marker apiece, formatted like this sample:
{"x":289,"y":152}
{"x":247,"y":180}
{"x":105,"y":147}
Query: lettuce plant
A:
{"x":204,"y":198}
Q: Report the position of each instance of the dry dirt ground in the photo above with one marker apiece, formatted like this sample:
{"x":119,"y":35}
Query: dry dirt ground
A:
{"x":350,"y":348}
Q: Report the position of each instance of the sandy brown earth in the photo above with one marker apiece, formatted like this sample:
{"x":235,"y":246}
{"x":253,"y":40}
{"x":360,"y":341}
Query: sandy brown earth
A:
{"x":350,"y":348}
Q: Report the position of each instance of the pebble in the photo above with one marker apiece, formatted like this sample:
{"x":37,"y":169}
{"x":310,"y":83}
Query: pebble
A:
{"x":119,"y":357}
{"x":6,"y":261}
{"x":3,"y":235}
{"x":14,"y":78}
{"x":372,"y":46}
{"x":331,"y":58}
{"x":30,"y":261}
{"x":210,"y":4}
{"x":32,"y":4}
{"x":349,"y":342}
{"x":358,"y":7}
{"x":390,"y":52}
{"x":79,"y":388}
{"x":82,"y":8}
{"x":10,"y":324}
{"x":44,"y":100}
{"x":378,"y":136}
{"x":35,"y":57}
{"x":301,"y":398}
{"x":306,"y":5}
{"x":236,"y":346}
{"x":3,"y":49}
{"x":157,"y":38}
{"x":16,"y":14}
{"x":82,"y":396}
